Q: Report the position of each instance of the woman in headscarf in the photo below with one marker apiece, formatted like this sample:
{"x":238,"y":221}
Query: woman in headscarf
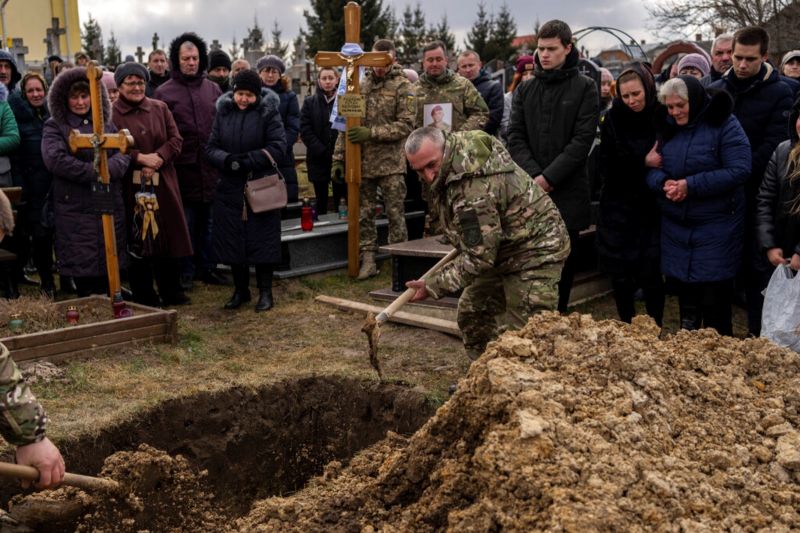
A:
{"x":80,"y":245}
{"x":705,"y":161}
{"x":629,"y":222}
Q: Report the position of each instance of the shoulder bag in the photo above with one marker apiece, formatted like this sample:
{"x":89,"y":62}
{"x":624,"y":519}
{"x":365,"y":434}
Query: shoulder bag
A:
{"x":267,"y":193}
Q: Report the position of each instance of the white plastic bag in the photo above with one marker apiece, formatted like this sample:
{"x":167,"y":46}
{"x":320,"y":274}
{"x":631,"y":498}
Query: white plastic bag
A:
{"x":780,"y":319}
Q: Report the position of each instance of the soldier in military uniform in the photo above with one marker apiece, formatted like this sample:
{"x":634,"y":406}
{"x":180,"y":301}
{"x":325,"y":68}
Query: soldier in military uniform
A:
{"x":512,"y":240}
{"x":390,"y":108}
{"x":23,"y":422}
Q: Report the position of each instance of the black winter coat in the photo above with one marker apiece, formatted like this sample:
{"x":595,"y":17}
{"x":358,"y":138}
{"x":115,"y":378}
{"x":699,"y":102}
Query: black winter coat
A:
{"x":776,"y":226}
{"x":318,"y":136}
{"x":762,"y":109}
{"x":492,"y":93}
{"x":554,"y":119}
{"x":290,"y":116}
{"x":629,"y":223}
{"x":27,"y":164}
{"x":256,"y":240}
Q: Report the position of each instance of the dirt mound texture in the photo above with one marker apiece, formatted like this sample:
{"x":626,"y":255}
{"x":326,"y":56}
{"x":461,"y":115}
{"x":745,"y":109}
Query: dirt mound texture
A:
{"x":572,"y":424}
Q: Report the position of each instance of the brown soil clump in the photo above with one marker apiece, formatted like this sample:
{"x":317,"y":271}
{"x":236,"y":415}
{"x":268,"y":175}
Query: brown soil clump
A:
{"x":572,"y":424}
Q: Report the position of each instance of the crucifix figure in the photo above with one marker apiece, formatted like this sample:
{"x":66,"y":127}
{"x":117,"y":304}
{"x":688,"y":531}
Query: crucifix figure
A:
{"x":101,"y":142}
{"x":352,"y":155}
{"x":139,"y":54}
{"x":53,"y":39}
{"x":156,"y":38}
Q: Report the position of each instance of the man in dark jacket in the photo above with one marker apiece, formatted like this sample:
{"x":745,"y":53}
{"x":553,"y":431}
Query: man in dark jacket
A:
{"x":219,"y":69}
{"x":554,"y":119}
{"x":721,"y":51}
{"x":159,"y":75}
{"x":192,"y":97}
{"x":470,"y":66}
{"x":320,"y":139}
{"x":9,"y":73}
{"x":761,"y":103}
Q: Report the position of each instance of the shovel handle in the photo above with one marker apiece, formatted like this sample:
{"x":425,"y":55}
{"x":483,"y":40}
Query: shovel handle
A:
{"x":74,"y":480}
{"x":404,"y":298}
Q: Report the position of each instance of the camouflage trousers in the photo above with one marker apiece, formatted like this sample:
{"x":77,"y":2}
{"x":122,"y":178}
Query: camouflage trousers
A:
{"x":495,"y":303}
{"x":393,"y":187}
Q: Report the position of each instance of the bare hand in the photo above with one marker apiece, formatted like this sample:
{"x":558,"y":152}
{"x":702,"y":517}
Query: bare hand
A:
{"x":46,"y":458}
{"x":676,"y":190}
{"x":150,"y":160}
{"x":775,"y":257}
{"x":422,"y":292}
{"x":653,"y":158}
{"x":543,"y":183}
{"x":795,"y":263}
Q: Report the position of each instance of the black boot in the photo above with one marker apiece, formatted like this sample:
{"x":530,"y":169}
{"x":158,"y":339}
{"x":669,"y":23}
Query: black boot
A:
{"x":264,"y":281}
{"x":241,"y":293}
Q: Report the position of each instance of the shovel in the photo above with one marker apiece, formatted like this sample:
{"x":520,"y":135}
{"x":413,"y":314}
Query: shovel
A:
{"x":372,"y":326}
{"x":74,"y":480}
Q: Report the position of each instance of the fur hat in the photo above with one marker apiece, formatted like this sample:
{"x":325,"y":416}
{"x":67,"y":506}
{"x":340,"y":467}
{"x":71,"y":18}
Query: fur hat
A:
{"x":59,"y":94}
{"x":247,"y":80}
{"x":218,"y":58}
{"x":695,"y":60}
{"x":130,"y":69}
{"x":271,"y":61}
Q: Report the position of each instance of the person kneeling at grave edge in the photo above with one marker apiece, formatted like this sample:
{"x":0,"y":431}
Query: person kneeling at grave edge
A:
{"x":511,"y":237}
{"x":23,"y":424}
{"x":246,"y":138}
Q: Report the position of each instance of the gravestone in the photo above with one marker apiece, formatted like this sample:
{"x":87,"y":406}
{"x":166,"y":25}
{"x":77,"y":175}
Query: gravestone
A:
{"x":215,"y":45}
{"x":18,"y":51}
{"x":139,"y":54}
{"x":53,"y":39}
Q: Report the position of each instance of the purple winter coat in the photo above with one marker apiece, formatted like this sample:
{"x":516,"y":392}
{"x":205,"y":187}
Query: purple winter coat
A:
{"x":80,"y":248}
{"x":192,"y":100}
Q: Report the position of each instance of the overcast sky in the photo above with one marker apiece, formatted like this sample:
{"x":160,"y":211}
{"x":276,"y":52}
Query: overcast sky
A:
{"x":133,"y":23}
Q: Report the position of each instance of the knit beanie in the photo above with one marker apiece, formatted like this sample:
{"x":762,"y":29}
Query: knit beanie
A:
{"x":247,"y":80}
{"x":524,"y":64}
{"x":695,"y":60}
{"x":794,"y":54}
{"x":218,"y":58}
{"x":130,"y":69}
{"x":271,"y":61}
{"x":108,"y":80}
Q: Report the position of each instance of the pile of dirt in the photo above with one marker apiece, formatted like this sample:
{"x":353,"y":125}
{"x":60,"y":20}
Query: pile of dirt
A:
{"x":582,"y":425}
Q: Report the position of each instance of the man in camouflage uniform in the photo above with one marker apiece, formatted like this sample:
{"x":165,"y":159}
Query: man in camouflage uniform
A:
{"x":511,"y":238}
{"x":390,"y":109}
{"x":23,"y":422}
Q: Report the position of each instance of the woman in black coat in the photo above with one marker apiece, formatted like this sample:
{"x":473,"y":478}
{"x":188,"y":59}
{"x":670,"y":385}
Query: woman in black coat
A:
{"x":320,"y":139}
{"x":778,"y":207}
{"x":28,"y":168}
{"x":629,"y":223}
{"x":247,"y":125}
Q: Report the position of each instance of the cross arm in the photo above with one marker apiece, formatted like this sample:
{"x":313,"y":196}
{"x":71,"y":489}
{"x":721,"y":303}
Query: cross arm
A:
{"x":122,"y":141}
{"x":368,"y":59}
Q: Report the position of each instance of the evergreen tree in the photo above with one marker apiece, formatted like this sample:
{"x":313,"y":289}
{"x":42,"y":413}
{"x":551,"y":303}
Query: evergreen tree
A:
{"x":92,"y":39}
{"x":255,"y":38}
{"x":113,"y":53}
{"x":325,"y":21}
{"x":480,"y":34}
{"x":234,"y":50}
{"x":277,"y":47}
{"x":412,"y":35}
{"x":441,"y":32}
{"x":504,"y":30}
{"x":299,"y":48}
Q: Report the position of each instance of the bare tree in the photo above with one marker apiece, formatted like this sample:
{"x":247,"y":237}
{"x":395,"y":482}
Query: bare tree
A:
{"x":682,"y":15}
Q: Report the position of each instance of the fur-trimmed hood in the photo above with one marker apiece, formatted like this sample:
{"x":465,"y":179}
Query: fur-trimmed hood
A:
{"x":59,"y":94}
{"x":268,"y":103}
{"x":174,"y":53}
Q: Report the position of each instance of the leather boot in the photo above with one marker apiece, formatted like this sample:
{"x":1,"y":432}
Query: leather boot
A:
{"x":241,"y":293}
{"x":368,"y":266}
{"x":264,"y":282}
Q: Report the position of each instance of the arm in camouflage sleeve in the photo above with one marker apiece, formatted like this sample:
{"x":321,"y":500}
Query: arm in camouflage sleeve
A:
{"x":475,"y":109}
{"x":480,"y":230}
{"x":338,"y":149}
{"x":405,"y":113}
{"x":23,"y":419}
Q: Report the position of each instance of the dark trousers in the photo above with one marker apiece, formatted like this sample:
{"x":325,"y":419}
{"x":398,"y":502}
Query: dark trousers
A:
{"x":706,"y":304}
{"x":568,"y":273}
{"x":88,"y":285}
{"x":241,"y":277}
{"x":200,"y":221}
{"x":42,"y":254}
{"x":166,"y":273}
{"x":321,"y":194}
{"x":652,"y":285}
{"x":754,"y":274}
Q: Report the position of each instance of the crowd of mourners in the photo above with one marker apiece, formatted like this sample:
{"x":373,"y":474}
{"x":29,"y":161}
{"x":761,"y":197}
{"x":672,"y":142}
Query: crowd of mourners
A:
{"x":698,"y":165}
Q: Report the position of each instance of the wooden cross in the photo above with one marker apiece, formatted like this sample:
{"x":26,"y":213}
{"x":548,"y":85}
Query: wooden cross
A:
{"x":139,"y":54}
{"x":215,"y":45}
{"x":352,"y":155}
{"x":101,"y":142}
{"x":18,"y":51}
{"x":53,"y":39}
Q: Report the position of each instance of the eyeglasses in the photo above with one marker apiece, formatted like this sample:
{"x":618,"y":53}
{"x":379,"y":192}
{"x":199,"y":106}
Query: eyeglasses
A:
{"x":133,"y":84}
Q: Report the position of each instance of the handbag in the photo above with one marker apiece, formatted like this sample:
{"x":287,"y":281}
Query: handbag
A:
{"x":267,"y":193}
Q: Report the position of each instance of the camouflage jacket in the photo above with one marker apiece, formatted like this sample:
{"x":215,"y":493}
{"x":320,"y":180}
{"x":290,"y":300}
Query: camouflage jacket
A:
{"x":493,"y":212}
{"x":390,"y":118}
{"x":23,"y":420}
{"x":470,"y":111}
